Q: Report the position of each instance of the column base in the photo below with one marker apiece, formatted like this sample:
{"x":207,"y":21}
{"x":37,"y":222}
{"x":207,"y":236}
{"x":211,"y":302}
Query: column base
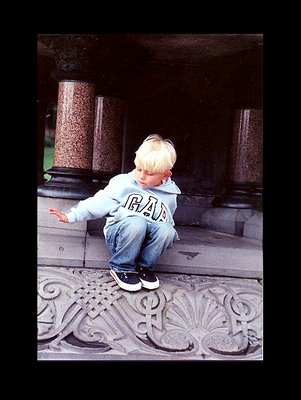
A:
{"x":240,"y":196}
{"x":101,"y":178}
{"x":72,"y":183}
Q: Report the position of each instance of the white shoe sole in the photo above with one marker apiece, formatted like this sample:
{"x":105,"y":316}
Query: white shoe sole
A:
{"x":130,"y":288}
{"x":150,"y":285}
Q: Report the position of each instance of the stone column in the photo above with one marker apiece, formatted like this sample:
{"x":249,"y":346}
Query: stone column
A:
{"x":71,"y":174}
{"x":73,"y":151}
{"x":244,"y":186}
{"x":74,"y":129}
{"x":108,"y":138}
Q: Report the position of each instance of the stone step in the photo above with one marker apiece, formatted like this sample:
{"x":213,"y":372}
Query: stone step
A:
{"x":199,"y":251}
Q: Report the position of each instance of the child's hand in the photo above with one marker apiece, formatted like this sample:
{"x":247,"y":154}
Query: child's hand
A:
{"x":61,"y":216}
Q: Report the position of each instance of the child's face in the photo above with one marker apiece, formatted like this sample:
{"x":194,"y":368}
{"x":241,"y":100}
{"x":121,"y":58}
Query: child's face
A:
{"x":147,"y":179}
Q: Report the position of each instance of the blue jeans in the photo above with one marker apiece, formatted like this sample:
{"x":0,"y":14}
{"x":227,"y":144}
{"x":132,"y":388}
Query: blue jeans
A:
{"x":135,"y":242}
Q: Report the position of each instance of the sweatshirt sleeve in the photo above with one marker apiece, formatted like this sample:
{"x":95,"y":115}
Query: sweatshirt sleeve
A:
{"x":94,"y":207}
{"x":173,"y":204}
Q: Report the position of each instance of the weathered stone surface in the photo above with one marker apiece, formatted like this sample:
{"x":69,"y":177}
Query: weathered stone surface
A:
{"x":84,"y":315}
{"x":61,"y":247}
{"x":198,"y":252}
{"x":253,"y":228}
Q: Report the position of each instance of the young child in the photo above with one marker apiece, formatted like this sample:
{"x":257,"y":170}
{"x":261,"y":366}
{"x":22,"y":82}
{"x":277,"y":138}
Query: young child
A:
{"x":139,"y":208}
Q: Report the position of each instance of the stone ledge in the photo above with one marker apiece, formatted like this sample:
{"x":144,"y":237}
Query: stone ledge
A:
{"x":198,"y":252}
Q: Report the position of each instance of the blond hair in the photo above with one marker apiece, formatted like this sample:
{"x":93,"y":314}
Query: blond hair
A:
{"x":156,"y":154}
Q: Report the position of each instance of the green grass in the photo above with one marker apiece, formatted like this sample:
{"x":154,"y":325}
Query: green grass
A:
{"x":48,"y":160}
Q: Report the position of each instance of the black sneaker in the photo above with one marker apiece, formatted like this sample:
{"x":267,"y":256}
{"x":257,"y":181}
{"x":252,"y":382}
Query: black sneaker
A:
{"x":126,"y":280}
{"x":147,"y":278}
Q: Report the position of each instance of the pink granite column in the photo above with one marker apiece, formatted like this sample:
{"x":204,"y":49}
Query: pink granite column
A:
{"x":71,"y":174}
{"x":244,"y":186}
{"x":74,"y":129}
{"x":108,"y":136}
{"x":246,"y":155}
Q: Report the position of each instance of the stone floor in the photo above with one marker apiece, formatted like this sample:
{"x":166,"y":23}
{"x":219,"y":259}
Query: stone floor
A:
{"x":84,"y":315}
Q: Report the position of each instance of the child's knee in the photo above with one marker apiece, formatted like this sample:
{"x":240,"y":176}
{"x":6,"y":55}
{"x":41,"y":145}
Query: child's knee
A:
{"x":166,"y":231}
{"x":135,"y":225}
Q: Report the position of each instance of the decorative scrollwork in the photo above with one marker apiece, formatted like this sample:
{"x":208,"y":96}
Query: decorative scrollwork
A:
{"x":84,"y":311}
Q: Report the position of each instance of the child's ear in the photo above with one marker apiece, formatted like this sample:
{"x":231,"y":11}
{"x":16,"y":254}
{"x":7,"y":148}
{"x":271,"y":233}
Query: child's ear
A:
{"x":167,"y":174}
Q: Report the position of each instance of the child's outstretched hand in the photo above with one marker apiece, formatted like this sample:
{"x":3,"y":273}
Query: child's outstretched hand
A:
{"x":61,"y":216}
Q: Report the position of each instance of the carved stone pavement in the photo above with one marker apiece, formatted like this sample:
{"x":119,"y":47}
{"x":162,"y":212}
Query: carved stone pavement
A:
{"x":84,"y":315}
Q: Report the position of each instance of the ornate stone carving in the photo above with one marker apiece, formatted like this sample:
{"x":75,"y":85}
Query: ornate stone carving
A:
{"x":72,"y":53}
{"x":84,"y":313}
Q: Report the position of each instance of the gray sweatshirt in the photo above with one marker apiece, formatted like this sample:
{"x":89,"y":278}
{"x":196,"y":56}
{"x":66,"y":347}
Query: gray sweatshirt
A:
{"x":123,"y":197}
